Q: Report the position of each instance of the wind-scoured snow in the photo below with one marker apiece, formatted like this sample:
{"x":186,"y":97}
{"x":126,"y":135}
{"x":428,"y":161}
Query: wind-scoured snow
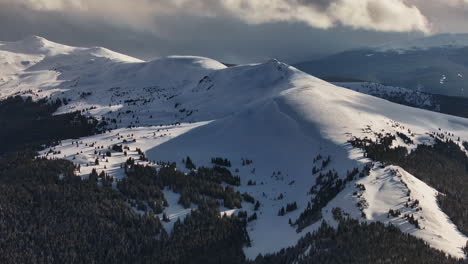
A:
{"x":270,"y":113}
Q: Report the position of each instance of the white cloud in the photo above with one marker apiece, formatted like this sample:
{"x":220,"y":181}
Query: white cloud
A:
{"x":378,"y":15}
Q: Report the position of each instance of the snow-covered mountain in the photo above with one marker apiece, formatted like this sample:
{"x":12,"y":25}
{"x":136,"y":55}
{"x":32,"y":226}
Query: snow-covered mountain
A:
{"x":271,"y":113}
{"x":396,"y":94}
{"x":435,"y":64}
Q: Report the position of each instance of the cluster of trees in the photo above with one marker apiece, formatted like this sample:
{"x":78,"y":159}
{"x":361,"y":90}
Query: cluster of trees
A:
{"x":327,"y":186}
{"x":357,"y":242}
{"x":205,"y":237}
{"x":245,"y":217}
{"x":49,"y":215}
{"x":117,"y":148}
{"x":393,"y":213}
{"x":105,"y":179}
{"x":221,"y":162}
{"x":405,"y":138}
{"x":31,"y":125}
{"x":251,"y":183}
{"x":142,"y":189}
{"x":248,"y":198}
{"x":201,"y":186}
{"x":141,"y":154}
{"x":323,"y":166}
{"x":317,"y":158}
{"x":413,"y":220}
{"x":381,"y":149}
{"x":289,"y":208}
{"x":246,"y":162}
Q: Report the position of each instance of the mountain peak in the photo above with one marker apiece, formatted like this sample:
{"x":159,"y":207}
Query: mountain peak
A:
{"x":34,"y":39}
{"x":36,"y":45}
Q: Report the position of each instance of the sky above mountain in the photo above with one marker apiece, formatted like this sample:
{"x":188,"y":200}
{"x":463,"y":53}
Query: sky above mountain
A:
{"x":230,"y":30}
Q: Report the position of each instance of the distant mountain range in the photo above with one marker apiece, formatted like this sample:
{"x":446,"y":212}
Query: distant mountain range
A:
{"x":436,"y":64}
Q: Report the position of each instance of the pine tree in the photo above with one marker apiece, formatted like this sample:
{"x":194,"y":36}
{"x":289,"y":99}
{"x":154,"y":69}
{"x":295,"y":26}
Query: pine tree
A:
{"x":189,"y":163}
{"x":281,"y":212}
{"x":257,"y":205}
{"x":166,"y":218}
{"x":93,"y":176}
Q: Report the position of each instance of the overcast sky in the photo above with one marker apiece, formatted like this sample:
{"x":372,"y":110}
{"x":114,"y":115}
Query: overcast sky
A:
{"x":230,"y":30}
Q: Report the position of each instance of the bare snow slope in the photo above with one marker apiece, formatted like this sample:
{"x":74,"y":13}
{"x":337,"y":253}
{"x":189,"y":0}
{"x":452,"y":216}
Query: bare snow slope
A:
{"x":271,"y":113}
{"x":394,"y":188}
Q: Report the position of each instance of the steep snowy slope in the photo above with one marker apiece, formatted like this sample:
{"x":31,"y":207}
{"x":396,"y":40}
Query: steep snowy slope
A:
{"x":392,"y":188}
{"x":270,"y":113}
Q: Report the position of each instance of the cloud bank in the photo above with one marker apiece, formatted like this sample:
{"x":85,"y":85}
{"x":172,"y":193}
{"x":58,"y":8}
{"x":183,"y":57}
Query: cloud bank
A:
{"x":236,"y":31}
{"x":378,"y":15}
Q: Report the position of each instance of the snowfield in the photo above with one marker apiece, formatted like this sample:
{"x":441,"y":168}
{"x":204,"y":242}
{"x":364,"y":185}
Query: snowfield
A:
{"x":270,"y":113}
